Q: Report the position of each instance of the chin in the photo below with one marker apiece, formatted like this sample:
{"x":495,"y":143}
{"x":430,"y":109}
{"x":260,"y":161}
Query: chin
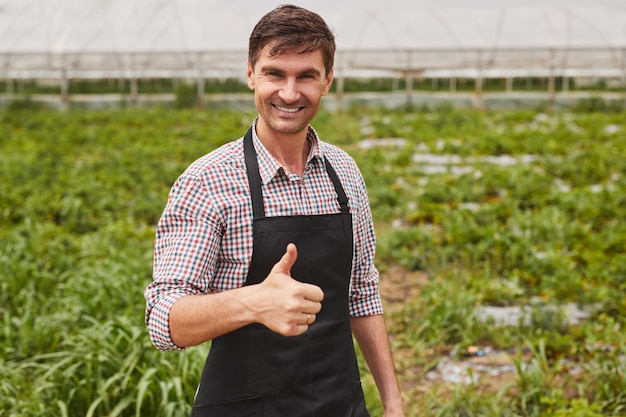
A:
{"x":288,"y":128}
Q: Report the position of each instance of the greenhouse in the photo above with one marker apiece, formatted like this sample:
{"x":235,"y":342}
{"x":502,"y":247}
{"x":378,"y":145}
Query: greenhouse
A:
{"x":64,"y":40}
{"x":490,"y":136}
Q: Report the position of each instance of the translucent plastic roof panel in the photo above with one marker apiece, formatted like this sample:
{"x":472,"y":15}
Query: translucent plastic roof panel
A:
{"x":125,"y":35}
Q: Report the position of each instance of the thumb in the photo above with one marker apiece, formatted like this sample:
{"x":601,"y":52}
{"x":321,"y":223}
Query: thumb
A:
{"x":286,"y":262}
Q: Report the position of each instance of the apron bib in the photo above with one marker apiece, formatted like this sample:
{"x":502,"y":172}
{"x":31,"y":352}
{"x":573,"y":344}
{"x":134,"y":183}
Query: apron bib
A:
{"x":254,"y":371}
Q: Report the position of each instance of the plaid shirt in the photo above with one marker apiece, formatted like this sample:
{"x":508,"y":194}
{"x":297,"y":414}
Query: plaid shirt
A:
{"x":204,"y":237}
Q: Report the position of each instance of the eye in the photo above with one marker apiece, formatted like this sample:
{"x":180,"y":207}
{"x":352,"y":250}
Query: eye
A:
{"x":274,"y":74}
{"x":308,"y":76}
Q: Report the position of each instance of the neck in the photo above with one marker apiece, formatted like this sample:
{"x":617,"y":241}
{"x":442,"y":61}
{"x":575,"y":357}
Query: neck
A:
{"x":290,"y":150}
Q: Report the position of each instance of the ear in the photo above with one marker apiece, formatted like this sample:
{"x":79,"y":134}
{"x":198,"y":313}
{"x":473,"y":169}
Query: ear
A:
{"x":250,"y":76}
{"x":329,"y":81}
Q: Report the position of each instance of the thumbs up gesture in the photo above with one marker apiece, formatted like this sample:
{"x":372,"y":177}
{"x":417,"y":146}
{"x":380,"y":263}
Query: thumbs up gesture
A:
{"x":286,"y":305}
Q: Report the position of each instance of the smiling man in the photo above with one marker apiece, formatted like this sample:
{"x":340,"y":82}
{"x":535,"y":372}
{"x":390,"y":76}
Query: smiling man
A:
{"x":287,"y":93}
{"x":288,"y":89}
{"x":266,"y":249}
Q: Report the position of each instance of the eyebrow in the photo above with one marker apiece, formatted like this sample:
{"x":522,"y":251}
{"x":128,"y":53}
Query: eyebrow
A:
{"x":272,"y":68}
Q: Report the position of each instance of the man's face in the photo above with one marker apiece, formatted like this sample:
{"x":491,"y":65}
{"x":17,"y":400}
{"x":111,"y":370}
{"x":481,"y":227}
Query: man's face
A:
{"x":287,"y":90}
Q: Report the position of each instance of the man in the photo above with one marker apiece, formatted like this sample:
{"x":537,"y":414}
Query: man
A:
{"x":266,"y":248}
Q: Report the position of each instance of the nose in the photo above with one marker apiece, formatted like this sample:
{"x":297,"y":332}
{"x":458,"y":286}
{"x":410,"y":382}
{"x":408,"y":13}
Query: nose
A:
{"x":289,"y":91}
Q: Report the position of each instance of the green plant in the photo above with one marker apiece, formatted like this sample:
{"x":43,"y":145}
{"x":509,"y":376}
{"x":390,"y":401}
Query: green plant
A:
{"x":525,"y":209}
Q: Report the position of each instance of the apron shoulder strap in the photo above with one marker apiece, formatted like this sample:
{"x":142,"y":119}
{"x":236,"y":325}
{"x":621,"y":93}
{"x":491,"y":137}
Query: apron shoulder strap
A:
{"x":254,"y":179}
{"x":341,"y":194}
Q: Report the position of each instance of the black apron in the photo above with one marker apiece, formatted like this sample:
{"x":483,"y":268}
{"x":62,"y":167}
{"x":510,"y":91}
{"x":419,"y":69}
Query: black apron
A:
{"x":254,"y":371}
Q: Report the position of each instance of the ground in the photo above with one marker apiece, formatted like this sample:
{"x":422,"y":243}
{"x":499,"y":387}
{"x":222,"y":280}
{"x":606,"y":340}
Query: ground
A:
{"x":495,"y":370}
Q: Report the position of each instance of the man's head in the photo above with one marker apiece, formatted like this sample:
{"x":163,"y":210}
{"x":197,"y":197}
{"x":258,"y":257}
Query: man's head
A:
{"x":292,"y":29}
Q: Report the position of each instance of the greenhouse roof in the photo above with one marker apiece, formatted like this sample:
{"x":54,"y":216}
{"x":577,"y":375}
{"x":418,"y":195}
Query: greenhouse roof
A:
{"x":95,"y":38}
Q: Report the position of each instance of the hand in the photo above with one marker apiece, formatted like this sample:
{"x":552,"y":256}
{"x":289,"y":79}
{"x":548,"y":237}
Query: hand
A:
{"x":286,"y":305}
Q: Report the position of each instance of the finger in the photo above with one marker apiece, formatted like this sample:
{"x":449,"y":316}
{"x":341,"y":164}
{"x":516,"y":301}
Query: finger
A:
{"x":310,"y":318}
{"x":300,"y":329}
{"x":286,"y":262}
{"x":312,"y":307}
{"x":313,"y":293}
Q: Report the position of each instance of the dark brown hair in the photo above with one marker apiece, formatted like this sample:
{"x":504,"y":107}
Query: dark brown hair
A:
{"x":292,"y":29}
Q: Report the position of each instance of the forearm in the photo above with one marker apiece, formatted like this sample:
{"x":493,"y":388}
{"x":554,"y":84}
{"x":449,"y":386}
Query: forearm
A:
{"x":195,"y":319}
{"x":371,"y":335}
{"x":279,"y":302}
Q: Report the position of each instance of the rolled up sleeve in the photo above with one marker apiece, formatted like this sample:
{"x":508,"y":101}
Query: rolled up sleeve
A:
{"x":364,"y":289}
{"x":185,"y":250}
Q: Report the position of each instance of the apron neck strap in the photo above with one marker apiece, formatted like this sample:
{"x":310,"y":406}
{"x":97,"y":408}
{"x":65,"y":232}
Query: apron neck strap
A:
{"x":254,"y":179}
{"x":341,"y":194}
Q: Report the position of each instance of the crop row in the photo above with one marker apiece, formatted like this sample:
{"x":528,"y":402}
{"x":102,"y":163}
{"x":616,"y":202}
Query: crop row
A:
{"x":502,"y":208}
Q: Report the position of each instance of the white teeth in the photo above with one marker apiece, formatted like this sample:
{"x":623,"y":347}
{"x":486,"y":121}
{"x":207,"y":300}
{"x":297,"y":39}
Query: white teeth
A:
{"x":288,"y":109}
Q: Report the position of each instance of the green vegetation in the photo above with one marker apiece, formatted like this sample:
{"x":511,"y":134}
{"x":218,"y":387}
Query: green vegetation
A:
{"x":351,"y":85}
{"x":495,"y":208}
{"x":122,"y":86}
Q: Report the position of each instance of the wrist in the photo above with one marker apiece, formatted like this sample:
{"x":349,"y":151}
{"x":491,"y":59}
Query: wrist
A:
{"x":392,"y":405}
{"x":251,"y":309}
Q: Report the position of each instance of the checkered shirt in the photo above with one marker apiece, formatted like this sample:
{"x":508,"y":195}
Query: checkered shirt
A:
{"x":204,"y":237}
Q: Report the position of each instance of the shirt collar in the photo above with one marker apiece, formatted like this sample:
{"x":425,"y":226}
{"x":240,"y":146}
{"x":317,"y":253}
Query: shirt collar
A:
{"x":269,"y":167}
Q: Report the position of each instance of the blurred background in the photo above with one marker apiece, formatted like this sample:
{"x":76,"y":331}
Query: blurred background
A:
{"x":143,"y":50}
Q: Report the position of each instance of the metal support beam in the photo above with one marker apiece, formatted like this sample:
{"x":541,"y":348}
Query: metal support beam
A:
{"x":65,"y":86}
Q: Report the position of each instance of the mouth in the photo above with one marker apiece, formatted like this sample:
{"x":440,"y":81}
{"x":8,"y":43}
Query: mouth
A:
{"x":288,"y":109}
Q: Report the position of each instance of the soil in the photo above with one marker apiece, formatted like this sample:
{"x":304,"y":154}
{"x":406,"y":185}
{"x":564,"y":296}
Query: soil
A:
{"x":399,"y":286}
